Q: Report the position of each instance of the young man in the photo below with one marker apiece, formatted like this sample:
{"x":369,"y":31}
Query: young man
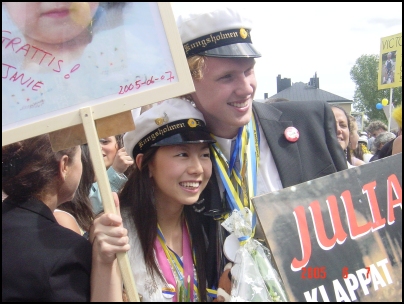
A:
{"x":278,"y":144}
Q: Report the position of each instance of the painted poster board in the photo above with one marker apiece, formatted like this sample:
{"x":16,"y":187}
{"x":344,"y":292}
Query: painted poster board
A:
{"x":390,"y":66}
{"x":339,"y":237}
{"x":127,"y":54}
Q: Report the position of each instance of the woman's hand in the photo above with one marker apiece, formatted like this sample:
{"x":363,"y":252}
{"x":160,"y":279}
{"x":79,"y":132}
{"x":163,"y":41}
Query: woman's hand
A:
{"x":122,"y":161}
{"x":108,"y":236}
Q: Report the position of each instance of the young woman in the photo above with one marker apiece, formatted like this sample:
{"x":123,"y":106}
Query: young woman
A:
{"x":354,"y":142}
{"x":41,"y":260}
{"x":77,"y":214}
{"x":117,"y":163}
{"x":343,"y":131}
{"x":171,"y":150}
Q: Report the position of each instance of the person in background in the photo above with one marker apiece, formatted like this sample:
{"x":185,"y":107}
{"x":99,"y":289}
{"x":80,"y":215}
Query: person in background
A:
{"x":362,"y":152}
{"x":375,"y":128}
{"x":284,"y":138}
{"x":371,"y":139}
{"x":353,"y":142}
{"x":77,"y":214}
{"x":398,"y":115}
{"x":43,"y":261}
{"x":117,"y":162}
{"x":53,"y":263}
{"x":170,"y":147}
{"x":387,"y":147}
{"x":343,"y":131}
{"x":364,"y":134}
{"x":382,"y":146}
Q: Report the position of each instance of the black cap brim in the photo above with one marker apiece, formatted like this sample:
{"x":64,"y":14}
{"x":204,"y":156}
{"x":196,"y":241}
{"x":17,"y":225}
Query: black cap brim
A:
{"x":188,"y":137}
{"x":235,"y":50}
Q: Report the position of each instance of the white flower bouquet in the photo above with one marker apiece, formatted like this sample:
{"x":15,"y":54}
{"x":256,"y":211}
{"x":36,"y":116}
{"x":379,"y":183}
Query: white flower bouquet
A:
{"x":254,"y":277}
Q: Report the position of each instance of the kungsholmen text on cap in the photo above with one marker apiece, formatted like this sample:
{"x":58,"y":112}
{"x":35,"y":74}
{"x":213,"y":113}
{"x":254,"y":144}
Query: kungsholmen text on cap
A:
{"x":223,"y":32}
{"x":174,"y":121}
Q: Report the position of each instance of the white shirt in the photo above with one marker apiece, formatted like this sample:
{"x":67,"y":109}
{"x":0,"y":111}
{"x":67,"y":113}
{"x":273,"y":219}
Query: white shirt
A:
{"x":149,"y":288}
{"x":268,"y":178}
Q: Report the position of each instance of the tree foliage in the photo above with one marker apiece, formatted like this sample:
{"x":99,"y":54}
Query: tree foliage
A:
{"x":365,"y":75}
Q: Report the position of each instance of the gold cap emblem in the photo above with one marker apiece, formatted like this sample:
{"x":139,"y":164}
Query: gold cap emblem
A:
{"x":243,"y":33}
{"x":159,"y":121}
{"x":192,"y":123}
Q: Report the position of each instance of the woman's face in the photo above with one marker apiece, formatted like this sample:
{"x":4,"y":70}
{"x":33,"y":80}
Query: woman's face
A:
{"x":180,"y":173}
{"x":109,"y":148}
{"x":342,"y":127}
{"x":52,"y":22}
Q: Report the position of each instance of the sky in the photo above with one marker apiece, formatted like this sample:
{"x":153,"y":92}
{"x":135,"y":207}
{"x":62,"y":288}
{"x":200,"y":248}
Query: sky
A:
{"x":297,"y":40}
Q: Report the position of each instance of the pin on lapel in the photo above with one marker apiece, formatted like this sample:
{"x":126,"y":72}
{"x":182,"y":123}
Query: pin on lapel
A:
{"x":168,"y":291}
{"x":291,"y":134}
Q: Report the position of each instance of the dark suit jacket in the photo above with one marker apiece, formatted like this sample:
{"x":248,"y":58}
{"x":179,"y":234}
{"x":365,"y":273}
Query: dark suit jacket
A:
{"x":317,"y":153}
{"x":41,"y":260}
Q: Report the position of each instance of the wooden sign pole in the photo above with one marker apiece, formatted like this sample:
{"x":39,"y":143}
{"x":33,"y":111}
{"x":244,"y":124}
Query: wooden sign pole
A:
{"x":106,"y":195}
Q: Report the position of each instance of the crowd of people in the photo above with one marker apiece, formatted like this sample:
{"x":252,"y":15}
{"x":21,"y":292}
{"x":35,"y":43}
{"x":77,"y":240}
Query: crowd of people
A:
{"x":363,"y":147}
{"x":190,"y":163}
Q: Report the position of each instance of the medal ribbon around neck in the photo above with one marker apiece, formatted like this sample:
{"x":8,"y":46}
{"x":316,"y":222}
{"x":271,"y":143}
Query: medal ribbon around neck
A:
{"x":247,"y":147}
{"x":183,"y":269}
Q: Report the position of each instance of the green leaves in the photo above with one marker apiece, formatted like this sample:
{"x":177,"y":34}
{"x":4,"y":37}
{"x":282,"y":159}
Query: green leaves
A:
{"x":365,"y":75}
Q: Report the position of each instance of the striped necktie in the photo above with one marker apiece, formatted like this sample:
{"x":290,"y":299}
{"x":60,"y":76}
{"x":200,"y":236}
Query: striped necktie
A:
{"x":237,"y":175}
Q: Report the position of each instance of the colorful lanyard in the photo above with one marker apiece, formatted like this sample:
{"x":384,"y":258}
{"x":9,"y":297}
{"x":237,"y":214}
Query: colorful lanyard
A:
{"x":247,"y":149}
{"x":168,"y":260}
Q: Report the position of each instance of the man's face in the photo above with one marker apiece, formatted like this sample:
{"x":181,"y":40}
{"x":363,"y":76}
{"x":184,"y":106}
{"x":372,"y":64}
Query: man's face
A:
{"x":377,"y":132}
{"x":224,"y":95}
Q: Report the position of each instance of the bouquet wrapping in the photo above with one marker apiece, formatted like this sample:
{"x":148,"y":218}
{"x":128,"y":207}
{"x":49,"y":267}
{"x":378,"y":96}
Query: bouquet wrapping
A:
{"x":254,"y":277}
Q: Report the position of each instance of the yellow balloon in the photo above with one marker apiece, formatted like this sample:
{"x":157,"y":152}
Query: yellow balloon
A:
{"x":385,"y":101}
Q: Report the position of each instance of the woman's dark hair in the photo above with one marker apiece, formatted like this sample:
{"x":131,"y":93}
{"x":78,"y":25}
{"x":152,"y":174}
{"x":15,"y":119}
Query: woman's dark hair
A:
{"x":347,"y":151}
{"x":80,"y":207}
{"x":119,"y":140}
{"x":136,"y":198}
{"x":30,"y":167}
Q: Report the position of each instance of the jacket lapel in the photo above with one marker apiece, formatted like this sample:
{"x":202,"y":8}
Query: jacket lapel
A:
{"x":286,"y":154}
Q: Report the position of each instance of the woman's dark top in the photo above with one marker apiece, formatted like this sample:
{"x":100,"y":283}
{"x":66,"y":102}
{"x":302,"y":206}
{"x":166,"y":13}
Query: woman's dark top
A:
{"x":41,"y":260}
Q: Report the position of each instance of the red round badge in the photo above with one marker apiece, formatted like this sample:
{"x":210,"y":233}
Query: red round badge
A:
{"x":291,"y":134}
